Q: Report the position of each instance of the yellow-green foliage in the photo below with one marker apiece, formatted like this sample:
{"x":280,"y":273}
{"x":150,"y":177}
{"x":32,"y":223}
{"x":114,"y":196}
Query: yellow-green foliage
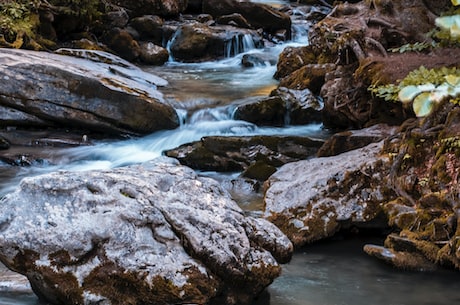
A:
{"x":451,"y":143}
{"x":414,"y":47}
{"x":88,"y":10}
{"x":424,"y":87}
{"x":16,"y":17}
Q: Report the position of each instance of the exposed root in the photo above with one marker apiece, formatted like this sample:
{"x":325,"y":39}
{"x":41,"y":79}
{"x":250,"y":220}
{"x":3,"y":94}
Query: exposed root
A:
{"x":372,"y":42}
{"x":379,"y":22}
{"x":356,"y":47}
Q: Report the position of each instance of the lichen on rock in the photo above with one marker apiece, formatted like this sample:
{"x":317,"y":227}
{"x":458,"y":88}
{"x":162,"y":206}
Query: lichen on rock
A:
{"x":146,"y":234}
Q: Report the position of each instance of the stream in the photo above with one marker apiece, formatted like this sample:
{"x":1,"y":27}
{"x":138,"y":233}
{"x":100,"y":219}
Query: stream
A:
{"x":333,"y":272}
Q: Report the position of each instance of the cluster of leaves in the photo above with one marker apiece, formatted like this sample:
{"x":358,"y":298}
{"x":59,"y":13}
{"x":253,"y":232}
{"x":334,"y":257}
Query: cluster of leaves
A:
{"x":414,"y":47}
{"x":88,"y":10}
{"x":18,"y":16}
{"x":448,"y":27}
{"x":424,"y":88}
{"x":451,"y":144}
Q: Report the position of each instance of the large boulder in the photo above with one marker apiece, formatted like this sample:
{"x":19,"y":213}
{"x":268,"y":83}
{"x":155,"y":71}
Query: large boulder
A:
{"x":98,"y":92}
{"x":148,"y":234}
{"x":195,"y":42}
{"x":313,"y":199}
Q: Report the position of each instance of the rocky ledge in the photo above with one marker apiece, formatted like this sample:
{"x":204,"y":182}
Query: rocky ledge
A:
{"x":90,"y":90}
{"x":147,"y":234}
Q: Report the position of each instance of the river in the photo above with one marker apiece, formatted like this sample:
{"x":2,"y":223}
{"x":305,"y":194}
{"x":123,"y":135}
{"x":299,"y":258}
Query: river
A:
{"x":335,"y":272}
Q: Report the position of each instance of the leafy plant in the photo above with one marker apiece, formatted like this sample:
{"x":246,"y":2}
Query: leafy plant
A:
{"x":414,"y":47}
{"x":17,"y":16}
{"x":424,"y":97}
{"x":451,"y":143}
{"x":84,"y":9}
{"x":423,"y":88}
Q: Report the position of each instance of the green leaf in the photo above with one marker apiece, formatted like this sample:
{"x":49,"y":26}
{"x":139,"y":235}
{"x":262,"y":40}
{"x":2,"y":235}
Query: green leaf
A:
{"x":423,"y":104}
{"x":408,"y":93}
{"x":453,"y":80}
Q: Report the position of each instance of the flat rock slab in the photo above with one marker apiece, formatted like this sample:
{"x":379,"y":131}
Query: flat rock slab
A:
{"x":90,"y":90}
{"x":146,"y":234}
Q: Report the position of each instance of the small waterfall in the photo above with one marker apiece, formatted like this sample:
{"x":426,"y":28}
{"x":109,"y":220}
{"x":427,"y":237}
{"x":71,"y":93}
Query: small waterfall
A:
{"x":239,"y":44}
{"x":169,"y":43}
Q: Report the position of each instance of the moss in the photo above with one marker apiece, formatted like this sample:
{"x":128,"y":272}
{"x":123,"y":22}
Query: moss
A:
{"x":58,"y":287}
{"x":124,"y":287}
{"x":439,"y":170}
{"x":371,"y":73}
{"x":18,"y":19}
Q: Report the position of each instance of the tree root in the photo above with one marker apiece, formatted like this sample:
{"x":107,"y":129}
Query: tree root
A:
{"x":372,"y":42}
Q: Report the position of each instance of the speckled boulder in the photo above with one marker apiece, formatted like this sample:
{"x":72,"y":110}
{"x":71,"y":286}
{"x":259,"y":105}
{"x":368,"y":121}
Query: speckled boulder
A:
{"x":312,"y":199}
{"x":147,"y":234}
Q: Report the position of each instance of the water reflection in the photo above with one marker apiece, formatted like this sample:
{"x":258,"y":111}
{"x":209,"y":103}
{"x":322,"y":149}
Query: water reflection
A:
{"x":340,"y":273}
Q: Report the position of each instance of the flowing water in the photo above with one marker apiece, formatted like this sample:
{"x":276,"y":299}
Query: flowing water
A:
{"x":205,"y":95}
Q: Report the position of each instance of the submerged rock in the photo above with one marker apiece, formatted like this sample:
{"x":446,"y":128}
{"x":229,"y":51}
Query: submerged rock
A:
{"x":313,"y":199}
{"x":147,"y":234}
{"x":96,"y":91}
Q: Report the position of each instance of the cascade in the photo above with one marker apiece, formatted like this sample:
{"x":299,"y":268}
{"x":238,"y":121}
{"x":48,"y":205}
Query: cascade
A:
{"x":239,"y":44}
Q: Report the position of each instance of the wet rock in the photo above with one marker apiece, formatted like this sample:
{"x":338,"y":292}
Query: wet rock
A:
{"x":258,"y":60}
{"x":259,"y":171}
{"x":152,"y":54}
{"x":348,"y":140}
{"x":195,"y":42}
{"x":269,"y":111}
{"x":283,"y":107}
{"x":149,"y":28}
{"x":238,"y":153}
{"x":117,"y":18}
{"x":293,"y":58}
{"x":235,"y":20}
{"x":258,"y":15}
{"x":401,"y":260}
{"x":122,"y":43}
{"x":310,"y":76}
{"x":102,"y":93}
{"x":311,"y":200}
{"x":158,"y":229}
{"x":302,"y":106}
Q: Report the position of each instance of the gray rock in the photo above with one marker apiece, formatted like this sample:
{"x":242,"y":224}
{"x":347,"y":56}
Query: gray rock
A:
{"x":283,"y":107}
{"x":146,"y":234}
{"x":226,"y":153}
{"x":311,"y":200}
{"x":153,"y":54}
{"x":352,"y":139}
{"x":195,"y":42}
{"x":96,"y":91}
